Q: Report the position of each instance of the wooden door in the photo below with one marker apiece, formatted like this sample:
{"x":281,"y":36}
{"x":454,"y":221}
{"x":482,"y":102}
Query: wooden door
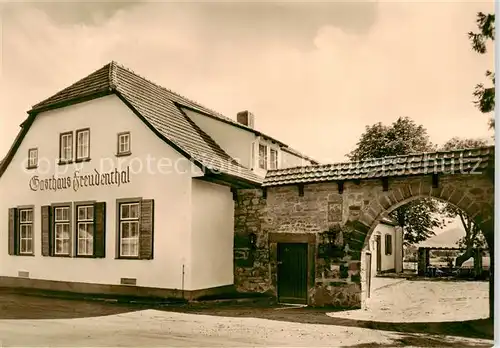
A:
{"x":292,"y":273}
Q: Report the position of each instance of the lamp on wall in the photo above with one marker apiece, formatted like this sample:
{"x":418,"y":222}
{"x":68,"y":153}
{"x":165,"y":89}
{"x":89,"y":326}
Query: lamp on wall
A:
{"x":330,"y":237}
{"x":253,"y":240}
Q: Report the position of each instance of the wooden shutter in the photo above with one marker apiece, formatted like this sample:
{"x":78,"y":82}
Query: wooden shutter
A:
{"x":388,"y":244}
{"x":146,"y":229}
{"x":13,"y":232}
{"x":46,"y":230}
{"x":100,"y":229}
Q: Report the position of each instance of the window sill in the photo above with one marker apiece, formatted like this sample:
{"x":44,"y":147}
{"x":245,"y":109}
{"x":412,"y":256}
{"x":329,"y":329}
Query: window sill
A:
{"x":127,"y":258}
{"x":62,"y":163}
{"x":85,"y":257}
{"x":80,"y":160}
{"x":123,"y":154}
{"x":27,"y":254}
{"x":61,"y":255}
{"x":31,"y":167}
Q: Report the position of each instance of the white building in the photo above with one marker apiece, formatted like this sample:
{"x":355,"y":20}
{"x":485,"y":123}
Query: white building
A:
{"x":117,"y":185}
{"x":386,"y":248}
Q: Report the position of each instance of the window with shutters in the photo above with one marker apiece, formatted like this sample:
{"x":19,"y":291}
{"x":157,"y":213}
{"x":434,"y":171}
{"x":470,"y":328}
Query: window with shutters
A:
{"x":66,"y":147}
{"x":129,"y":216}
{"x":124,"y":146}
{"x":25,"y":219}
{"x":62,"y":231}
{"x":32,"y":158}
{"x":85,"y":230}
{"x":83,"y":144}
{"x":388,"y":244}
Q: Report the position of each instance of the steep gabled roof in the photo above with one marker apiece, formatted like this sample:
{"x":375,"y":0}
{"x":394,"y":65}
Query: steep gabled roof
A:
{"x":159,"y":108}
{"x":464,"y":160}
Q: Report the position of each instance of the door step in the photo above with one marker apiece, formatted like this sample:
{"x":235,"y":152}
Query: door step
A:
{"x":291,"y":306}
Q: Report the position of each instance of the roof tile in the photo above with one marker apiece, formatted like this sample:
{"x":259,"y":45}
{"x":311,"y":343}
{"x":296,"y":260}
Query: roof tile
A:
{"x":464,"y":160}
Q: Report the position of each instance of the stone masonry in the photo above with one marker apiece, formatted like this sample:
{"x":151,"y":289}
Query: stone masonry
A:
{"x":315,"y":209}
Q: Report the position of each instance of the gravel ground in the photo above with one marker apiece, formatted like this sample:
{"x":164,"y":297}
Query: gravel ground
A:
{"x":153,"y":328}
{"x":405,"y":301}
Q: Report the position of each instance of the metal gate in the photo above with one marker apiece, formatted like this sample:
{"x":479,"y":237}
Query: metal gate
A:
{"x":292,"y":273}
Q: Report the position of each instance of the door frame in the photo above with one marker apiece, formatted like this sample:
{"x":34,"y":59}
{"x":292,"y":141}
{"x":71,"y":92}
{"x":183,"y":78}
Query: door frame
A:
{"x":368,"y":263}
{"x":378,"y":240}
{"x":310,"y":240}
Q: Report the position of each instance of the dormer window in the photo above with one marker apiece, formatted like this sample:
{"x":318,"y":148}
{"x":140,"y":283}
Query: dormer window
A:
{"x":262,"y":156}
{"x":66,"y":147}
{"x":273,"y":164}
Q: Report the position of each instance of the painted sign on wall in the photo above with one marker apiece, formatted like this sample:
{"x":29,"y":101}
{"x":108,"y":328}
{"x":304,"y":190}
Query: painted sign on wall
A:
{"x":78,"y":180}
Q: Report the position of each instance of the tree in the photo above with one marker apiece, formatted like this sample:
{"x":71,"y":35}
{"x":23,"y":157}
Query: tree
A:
{"x":417,"y":218}
{"x":473,"y":237}
{"x":484,"y":96}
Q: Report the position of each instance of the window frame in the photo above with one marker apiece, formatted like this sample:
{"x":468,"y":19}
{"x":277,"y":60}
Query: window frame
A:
{"x":30,"y":165}
{"x":119,"y":220}
{"x":78,"y":205}
{"x":61,"y":136}
{"x":265,"y":159}
{"x":29,"y":223}
{"x":77,"y":157}
{"x":54,"y":222}
{"x":276,"y":160}
{"x":118,"y":150}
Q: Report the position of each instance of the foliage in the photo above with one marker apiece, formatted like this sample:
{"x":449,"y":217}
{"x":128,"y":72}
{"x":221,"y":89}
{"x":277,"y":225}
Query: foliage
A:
{"x":404,"y":136}
{"x":484,"y":96}
{"x":473,"y":237}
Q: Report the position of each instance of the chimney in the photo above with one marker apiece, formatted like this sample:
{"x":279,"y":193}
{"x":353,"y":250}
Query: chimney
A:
{"x":246,"y":118}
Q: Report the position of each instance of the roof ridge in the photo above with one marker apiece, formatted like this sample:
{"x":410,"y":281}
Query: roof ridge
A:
{"x":384,"y":158}
{"x":168,"y":90}
{"x":68,"y":87}
{"x":112,"y":75}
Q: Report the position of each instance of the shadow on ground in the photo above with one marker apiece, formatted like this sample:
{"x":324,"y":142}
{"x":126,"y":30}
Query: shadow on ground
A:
{"x":413,"y":340}
{"x":482,"y":328}
{"x":28,"y":306}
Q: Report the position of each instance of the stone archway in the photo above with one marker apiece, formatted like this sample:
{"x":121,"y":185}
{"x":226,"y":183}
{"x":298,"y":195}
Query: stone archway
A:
{"x":474,"y":196}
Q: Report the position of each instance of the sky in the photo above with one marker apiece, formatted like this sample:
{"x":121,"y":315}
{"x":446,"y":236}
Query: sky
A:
{"x":313,"y":74}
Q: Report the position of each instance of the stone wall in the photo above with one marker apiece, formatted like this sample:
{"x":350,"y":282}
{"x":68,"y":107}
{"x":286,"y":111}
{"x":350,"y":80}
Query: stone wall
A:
{"x":349,"y":215}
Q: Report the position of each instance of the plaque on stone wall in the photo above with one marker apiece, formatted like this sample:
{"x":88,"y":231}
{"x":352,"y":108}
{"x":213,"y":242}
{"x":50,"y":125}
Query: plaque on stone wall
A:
{"x":334,"y":211}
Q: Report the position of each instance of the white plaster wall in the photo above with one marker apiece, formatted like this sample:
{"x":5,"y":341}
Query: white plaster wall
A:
{"x":212,"y":235}
{"x":398,"y":249}
{"x":387,"y":261}
{"x":171,"y":191}
{"x":235,"y":141}
{"x":289,"y":160}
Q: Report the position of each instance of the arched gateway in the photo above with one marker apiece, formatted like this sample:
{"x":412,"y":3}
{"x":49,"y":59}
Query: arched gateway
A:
{"x":331,"y":210}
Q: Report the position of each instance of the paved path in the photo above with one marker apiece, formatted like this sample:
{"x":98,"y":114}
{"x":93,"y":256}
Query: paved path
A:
{"x":152,"y":328}
{"x":407,"y":301}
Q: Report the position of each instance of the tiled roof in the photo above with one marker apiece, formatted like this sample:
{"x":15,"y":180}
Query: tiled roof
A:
{"x":465,"y":160}
{"x":158,"y":106}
